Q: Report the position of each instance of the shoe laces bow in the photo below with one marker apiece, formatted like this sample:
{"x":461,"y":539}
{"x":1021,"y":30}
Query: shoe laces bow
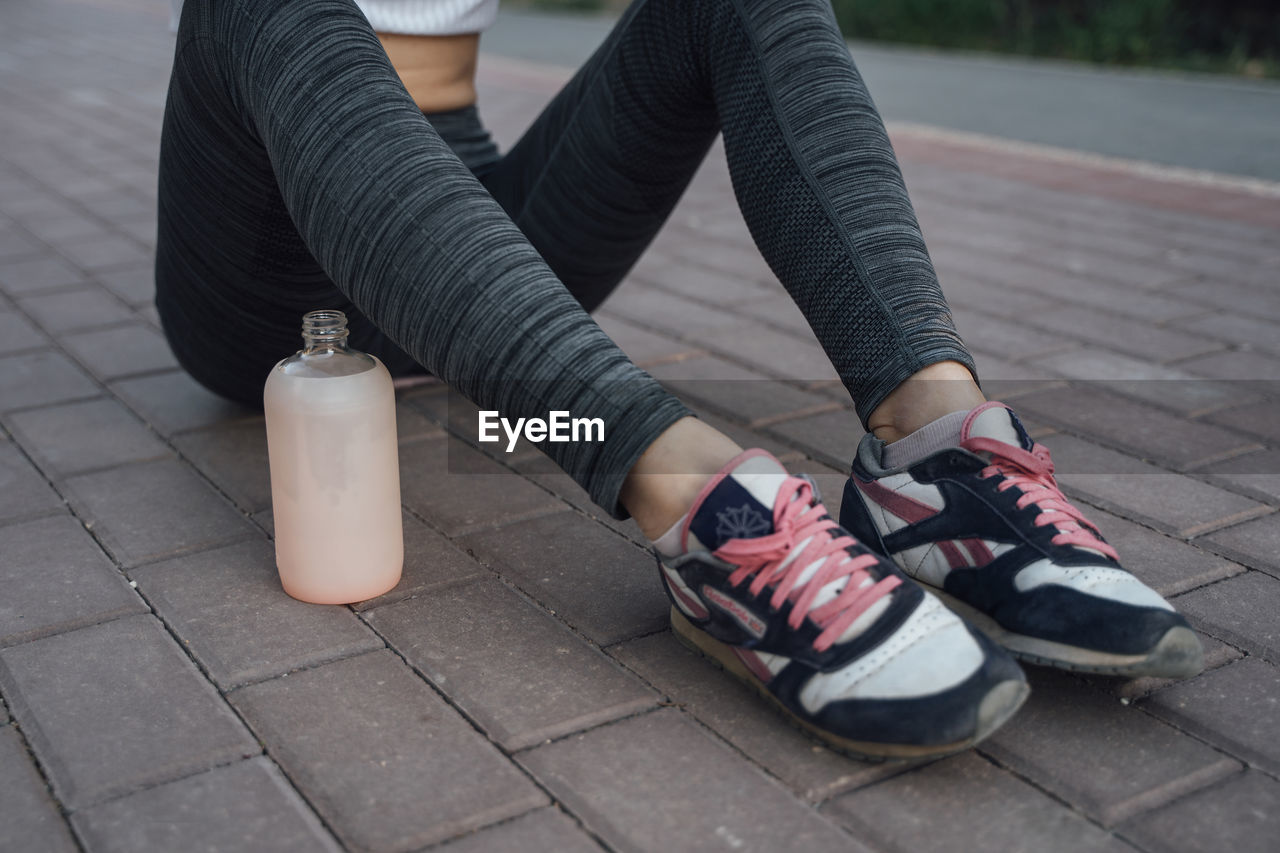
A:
{"x":1032,"y":473}
{"x":805,"y":553}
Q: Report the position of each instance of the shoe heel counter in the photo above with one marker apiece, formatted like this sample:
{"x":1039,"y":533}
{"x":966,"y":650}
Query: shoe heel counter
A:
{"x":855,"y":518}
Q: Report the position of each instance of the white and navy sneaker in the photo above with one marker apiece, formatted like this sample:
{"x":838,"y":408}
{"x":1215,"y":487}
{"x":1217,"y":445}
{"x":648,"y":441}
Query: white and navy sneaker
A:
{"x":984,"y":523}
{"x":764,"y":582}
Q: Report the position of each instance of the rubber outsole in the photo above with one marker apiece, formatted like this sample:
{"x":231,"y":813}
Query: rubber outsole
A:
{"x":1178,"y":654}
{"x":1000,"y":703}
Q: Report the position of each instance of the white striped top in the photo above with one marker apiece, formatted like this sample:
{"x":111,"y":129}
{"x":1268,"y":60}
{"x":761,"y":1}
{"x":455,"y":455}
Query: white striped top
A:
{"x":429,"y":17}
{"x":412,"y":17}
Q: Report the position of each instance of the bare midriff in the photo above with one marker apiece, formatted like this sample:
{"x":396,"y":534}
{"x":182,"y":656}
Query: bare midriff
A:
{"x":438,"y":71}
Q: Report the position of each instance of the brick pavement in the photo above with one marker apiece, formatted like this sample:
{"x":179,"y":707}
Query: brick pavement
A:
{"x":519,"y":690}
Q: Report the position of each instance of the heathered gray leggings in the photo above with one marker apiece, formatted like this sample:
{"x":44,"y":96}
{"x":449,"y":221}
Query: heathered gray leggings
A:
{"x":296,"y":173}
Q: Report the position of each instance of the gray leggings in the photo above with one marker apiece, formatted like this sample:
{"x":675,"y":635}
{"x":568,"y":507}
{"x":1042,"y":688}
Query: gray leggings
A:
{"x":296,"y":173}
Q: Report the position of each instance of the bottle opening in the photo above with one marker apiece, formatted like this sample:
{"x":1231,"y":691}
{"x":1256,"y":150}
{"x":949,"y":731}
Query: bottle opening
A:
{"x":324,"y":329}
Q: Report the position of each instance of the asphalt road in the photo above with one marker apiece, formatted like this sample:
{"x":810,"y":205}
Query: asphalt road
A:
{"x":1197,"y":121}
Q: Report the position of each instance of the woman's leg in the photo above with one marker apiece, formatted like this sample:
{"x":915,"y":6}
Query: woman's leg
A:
{"x":594,"y":178}
{"x":294,"y":161}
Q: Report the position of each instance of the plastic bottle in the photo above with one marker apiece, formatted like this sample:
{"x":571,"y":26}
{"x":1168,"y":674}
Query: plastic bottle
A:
{"x":335,"y":478}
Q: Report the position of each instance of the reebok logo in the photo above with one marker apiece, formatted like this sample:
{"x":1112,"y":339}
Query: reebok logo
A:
{"x":744,"y":522}
{"x":750,"y":622}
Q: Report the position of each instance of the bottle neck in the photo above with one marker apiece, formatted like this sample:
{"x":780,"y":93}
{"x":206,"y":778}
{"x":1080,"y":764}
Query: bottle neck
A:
{"x":324,"y":331}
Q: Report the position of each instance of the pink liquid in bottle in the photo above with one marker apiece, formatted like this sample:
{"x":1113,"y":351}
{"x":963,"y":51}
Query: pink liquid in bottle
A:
{"x":335,"y":480}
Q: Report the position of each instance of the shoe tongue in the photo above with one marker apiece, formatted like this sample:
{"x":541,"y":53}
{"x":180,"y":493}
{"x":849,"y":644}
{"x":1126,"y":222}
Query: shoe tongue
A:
{"x":739,"y":503}
{"x":995,"y":421}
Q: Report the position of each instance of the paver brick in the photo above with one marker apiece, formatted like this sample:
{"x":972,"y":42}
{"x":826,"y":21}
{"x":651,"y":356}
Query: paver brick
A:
{"x":783,"y":354}
{"x":543,"y":831}
{"x":745,"y":720}
{"x":234,"y":457}
{"x":457,"y":488}
{"x":598,"y":582}
{"x":430,"y":562}
{"x":23,"y":492}
{"x":381,"y":757}
{"x":641,"y":345}
{"x":1109,"y":760}
{"x":1235,"y":365}
{"x":1254,"y":474}
{"x":229,"y":608}
{"x":103,"y":253}
{"x":1239,"y":815}
{"x":831,"y":437}
{"x":77,"y":437}
{"x":1167,"y":565}
{"x":17,"y":334}
{"x":15,"y":244}
{"x":1261,"y":419}
{"x":41,"y":377}
{"x":741,"y":393}
{"x":1216,"y":654}
{"x":151,"y":510}
{"x":1141,"y":430}
{"x":135,"y":285}
{"x":31,"y":819}
{"x":38,"y":275}
{"x":55,"y":578}
{"x":508,"y":665}
{"x":173,"y":402}
{"x":244,"y":806}
{"x":656,"y":782}
{"x":930,"y":809}
{"x":1241,"y":610}
{"x":1255,"y":543}
{"x":1140,"y":338}
{"x":651,"y":308}
{"x":1236,"y":707}
{"x":121,"y":350}
{"x":69,"y":310}
{"x":1172,"y":503}
{"x":117,"y":707}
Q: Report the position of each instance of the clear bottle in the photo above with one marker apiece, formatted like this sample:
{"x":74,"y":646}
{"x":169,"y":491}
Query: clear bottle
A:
{"x":335,"y":477}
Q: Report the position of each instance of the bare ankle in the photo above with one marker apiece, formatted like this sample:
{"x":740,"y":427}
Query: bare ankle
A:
{"x":925,"y":396}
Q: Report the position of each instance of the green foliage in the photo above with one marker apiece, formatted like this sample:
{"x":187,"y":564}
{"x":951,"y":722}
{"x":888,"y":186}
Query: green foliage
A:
{"x":1236,"y":35}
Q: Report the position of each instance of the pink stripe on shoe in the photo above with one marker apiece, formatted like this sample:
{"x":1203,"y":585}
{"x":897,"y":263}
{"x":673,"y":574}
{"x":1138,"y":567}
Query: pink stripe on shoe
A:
{"x":908,"y":509}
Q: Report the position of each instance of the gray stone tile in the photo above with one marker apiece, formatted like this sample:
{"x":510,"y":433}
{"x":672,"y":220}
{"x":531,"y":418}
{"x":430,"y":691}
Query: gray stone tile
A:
{"x":458,"y":489}
{"x":117,"y":707}
{"x":23,"y":492}
{"x":1236,"y":707}
{"x":989,"y":808}
{"x":1261,"y":419}
{"x":121,"y":351}
{"x":1109,"y":760}
{"x":641,"y":345}
{"x":105,"y":253}
{"x":229,"y":608}
{"x":1255,"y":543}
{"x":1239,"y":815}
{"x":234,"y":457}
{"x":56,"y":578}
{"x":69,"y":310}
{"x":84,"y":436}
{"x":1254,"y":474}
{"x":173,"y":402}
{"x":381,"y":757}
{"x":240,"y":807}
{"x":38,"y":275}
{"x":742,"y":394}
{"x":16,"y":245}
{"x":430,"y":562}
{"x":17,"y":334}
{"x":543,"y":831}
{"x":31,"y":819}
{"x":831,"y":437}
{"x":39,"y":378}
{"x":657,"y":782}
{"x":151,"y":510}
{"x":1241,"y":610}
{"x":1165,"y":564}
{"x":744,"y":719}
{"x":598,"y":582}
{"x":508,"y":665}
{"x":784,"y":354}
{"x":1171,"y":503}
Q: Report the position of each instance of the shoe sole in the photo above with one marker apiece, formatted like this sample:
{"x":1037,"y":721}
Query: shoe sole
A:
{"x":1177,"y":655}
{"x":1000,"y":703}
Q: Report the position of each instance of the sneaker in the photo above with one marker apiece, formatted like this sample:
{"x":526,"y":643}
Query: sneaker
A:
{"x":766,"y":584}
{"x":984,"y":524}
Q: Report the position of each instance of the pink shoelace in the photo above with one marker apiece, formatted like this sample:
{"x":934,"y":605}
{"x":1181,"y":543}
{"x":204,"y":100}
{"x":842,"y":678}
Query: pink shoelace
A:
{"x":1033,"y":474}
{"x":797,"y":517}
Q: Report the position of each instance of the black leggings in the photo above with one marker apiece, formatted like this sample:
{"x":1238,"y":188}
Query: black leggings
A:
{"x":296,"y":173}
